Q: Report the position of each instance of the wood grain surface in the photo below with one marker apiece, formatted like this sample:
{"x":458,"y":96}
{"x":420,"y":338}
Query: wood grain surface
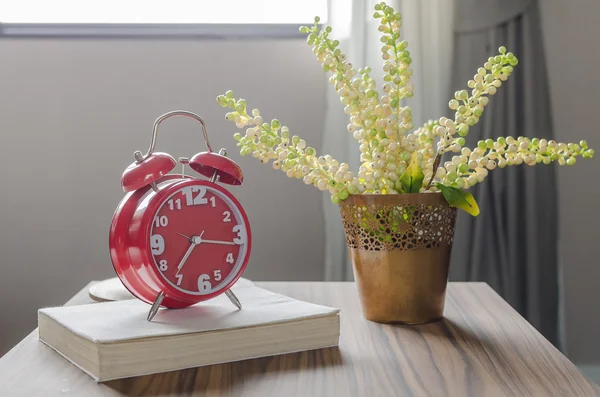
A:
{"x":482,"y":348}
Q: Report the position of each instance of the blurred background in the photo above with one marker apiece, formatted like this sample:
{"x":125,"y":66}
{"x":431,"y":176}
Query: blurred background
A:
{"x":81,"y":83}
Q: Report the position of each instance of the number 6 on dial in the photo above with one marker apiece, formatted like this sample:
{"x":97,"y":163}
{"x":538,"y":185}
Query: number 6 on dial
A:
{"x":204,"y":283}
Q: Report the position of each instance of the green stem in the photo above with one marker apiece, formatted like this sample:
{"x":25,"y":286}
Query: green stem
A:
{"x":436,"y":165}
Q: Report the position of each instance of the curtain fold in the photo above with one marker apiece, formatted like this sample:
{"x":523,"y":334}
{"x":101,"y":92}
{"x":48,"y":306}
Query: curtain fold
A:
{"x":512,"y":244}
{"x":349,"y":21}
{"x":428,"y":28}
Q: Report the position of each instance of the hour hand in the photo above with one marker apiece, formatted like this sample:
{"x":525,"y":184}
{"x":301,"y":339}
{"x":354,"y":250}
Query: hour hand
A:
{"x":194,"y":241}
{"x":185,"y":257}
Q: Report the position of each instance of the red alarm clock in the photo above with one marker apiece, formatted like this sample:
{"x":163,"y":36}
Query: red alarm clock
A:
{"x":176,"y":240}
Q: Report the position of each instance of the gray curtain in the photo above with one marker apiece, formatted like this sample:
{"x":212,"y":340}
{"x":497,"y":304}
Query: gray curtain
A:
{"x":512,"y":244}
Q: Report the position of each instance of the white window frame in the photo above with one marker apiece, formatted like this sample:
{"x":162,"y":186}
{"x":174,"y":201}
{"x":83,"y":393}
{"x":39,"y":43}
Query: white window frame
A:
{"x":201,"y":30}
{"x":155,"y":27}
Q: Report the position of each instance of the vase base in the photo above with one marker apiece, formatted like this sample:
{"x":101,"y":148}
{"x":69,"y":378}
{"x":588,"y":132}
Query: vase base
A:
{"x":402,"y":286}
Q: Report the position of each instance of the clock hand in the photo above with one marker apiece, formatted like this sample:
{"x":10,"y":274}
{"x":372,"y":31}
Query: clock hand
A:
{"x":218,"y":242}
{"x":183,"y":235}
{"x":187,"y":255}
{"x":194,"y":241}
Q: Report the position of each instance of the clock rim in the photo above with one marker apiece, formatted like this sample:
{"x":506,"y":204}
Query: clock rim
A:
{"x":129,"y":243}
{"x":156,"y":203}
{"x":127,"y":269}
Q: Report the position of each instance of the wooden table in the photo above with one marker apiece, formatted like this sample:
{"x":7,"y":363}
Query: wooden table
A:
{"x":482,"y":348}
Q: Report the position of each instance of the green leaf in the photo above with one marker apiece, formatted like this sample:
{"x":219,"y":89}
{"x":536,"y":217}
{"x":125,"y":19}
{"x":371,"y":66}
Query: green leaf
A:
{"x":412,"y":179}
{"x":459,"y":199}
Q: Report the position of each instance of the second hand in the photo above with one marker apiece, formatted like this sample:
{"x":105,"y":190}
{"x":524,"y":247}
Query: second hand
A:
{"x":183,"y":235}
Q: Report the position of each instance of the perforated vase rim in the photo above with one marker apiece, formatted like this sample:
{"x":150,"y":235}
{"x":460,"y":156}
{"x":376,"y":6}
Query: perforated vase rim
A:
{"x":379,"y":222}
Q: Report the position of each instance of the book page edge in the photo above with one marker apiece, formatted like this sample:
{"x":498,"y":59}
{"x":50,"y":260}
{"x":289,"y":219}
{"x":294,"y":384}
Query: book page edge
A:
{"x":69,"y":360}
{"x":225,"y":362}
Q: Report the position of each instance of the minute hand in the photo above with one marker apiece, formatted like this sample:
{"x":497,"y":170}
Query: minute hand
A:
{"x":218,"y":242}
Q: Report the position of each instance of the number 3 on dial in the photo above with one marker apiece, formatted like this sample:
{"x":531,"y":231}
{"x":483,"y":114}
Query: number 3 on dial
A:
{"x":241,"y":234}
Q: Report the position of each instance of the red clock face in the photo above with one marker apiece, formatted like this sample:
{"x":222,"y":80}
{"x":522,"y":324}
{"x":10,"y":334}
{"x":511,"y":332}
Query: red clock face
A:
{"x":199,"y":240}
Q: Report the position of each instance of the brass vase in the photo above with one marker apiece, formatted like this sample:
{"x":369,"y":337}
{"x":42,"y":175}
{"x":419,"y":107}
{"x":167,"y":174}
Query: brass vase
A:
{"x":400,"y":246}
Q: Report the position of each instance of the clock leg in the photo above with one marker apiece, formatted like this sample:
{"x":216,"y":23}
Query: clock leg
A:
{"x":155,"y":306}
{"x":233,"y":299}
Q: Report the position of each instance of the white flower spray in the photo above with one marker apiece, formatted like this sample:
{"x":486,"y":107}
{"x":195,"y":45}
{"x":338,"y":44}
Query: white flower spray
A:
{"x":390,"y":154}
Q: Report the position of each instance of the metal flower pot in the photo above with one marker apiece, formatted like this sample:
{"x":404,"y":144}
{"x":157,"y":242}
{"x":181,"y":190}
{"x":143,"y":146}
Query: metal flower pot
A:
{"x":400,"y":246}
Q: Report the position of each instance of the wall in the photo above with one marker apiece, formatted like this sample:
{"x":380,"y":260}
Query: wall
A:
{"x":571,"y":33}
{"x":72,"y":112}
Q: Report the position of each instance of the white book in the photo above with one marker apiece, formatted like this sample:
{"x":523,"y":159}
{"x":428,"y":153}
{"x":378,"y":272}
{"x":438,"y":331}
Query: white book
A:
{"x":114,"y":340}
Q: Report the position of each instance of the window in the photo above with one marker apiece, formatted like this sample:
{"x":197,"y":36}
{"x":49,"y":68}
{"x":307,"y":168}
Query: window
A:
{"x":157,"y":17}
